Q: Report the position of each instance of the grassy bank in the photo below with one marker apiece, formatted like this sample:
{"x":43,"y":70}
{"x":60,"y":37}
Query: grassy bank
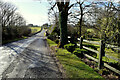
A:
{"x":73,"y":66}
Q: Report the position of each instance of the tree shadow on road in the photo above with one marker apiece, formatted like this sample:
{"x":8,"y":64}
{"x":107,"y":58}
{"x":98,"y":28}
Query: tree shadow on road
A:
{"x":43,"y":64}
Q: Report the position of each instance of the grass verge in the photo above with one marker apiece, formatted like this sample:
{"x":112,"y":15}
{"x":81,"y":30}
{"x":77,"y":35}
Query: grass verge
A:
{"x":51,"y":43}
{"x":73,"y":66}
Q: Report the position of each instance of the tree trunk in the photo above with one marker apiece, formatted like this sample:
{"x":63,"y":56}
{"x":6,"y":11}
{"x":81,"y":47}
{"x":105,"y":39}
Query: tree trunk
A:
{"x":81,"y":24}
{"x":119,"y":31}
{"x":63,"y":28}
{"x":81,"y":18}
{"x":119,"y":41}
{"x":119,"y":37}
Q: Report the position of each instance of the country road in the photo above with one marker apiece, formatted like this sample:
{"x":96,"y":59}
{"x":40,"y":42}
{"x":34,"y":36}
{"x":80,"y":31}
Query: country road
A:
{"x":29,"y":58}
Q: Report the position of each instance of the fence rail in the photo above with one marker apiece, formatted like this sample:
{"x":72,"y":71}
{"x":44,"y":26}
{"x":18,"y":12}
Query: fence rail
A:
{"x":91,"y":49}
{"x":105,"y":64}
{"x":101,"y":53}
{"x":92,"y":42}
{"x":98,"y":43}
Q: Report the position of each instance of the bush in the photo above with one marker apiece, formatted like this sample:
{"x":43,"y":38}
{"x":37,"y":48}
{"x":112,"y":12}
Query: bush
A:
{"x":13,"y":32}
{"x":72,"y":32}
{"x":27,"y":32}
{"x":53,"y":36}
{"x":70,"y":47}
{"x":57,"y":41}
{"x":79,"y":52}
{"x":73,"y":39}
{"x":104,"y":72}
{"x":56,"y":30}
{"x":47,"y":33}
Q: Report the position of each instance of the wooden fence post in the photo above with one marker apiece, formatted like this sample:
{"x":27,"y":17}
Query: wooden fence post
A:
{"x":102,"y":53}
{"x":81,"y":40}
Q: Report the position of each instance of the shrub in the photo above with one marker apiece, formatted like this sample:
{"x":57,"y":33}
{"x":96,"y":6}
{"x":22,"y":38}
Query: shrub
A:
{"x":57,"y":41}
{"x":53,"y":36}
{"x":26,"y":32}
{"x":104,"y":72}
{"x":13,"y":32}
{"x":73,"y":38}
{"x":47,"y":33}
{"x":72,"y":32}
{"x":79,"y":52}
{"x":56,"y":30}
{"x":70,"y":47}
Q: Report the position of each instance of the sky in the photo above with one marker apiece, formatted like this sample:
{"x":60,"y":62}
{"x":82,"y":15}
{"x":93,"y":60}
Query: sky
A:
{"x":34,"y":11}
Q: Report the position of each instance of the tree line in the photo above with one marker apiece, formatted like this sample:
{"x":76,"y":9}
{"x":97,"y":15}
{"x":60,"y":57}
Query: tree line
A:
{"x":101,"y":16}
{"x":13,"y":24}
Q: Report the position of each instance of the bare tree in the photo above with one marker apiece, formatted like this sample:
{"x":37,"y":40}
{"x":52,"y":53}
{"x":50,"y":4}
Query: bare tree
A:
{"x":107,"y":20}
{"x":53,"y":13}
{"x":9,"y":16}
{"x":82,"y":12}
{"x":7,"y":11}
{"x":12,"y":23}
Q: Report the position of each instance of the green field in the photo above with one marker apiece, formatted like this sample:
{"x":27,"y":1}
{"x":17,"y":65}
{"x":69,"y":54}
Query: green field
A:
{"x":35,"y":29}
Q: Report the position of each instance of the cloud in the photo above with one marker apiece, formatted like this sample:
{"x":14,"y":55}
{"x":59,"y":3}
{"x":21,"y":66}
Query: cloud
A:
{"x":105,"y":0}
{"x":36,"y":19}
{"x":33,"y":12}
{"x":26,"y":0}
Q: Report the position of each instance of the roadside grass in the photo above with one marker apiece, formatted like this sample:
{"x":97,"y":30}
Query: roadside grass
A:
{"x":73,"y":65}
{"x":35,"y":29}
{"x":51,"y":43}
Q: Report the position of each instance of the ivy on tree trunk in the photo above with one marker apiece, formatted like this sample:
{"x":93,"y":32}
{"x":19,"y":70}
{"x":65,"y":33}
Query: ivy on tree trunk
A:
{"x":63,"y":28}
{"x":119,"y":33}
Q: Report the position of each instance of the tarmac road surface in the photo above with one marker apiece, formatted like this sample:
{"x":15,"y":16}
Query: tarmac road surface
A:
{"x":35,"y":61}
